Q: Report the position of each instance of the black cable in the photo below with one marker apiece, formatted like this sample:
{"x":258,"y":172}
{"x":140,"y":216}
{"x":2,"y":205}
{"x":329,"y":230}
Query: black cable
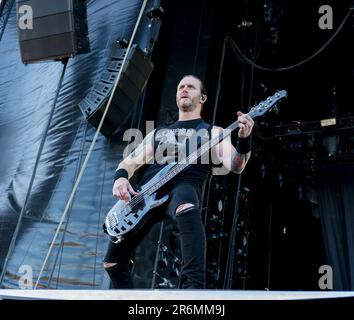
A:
{"x":218,"y":88}
{"x":238,"y":52}
{"x":61,"y":245}
{"x":154,"y":272}
{"x":228,"y":280}
{"x":99,"y":222}
{"x":217,"y":95}
{"x":231,"y":252}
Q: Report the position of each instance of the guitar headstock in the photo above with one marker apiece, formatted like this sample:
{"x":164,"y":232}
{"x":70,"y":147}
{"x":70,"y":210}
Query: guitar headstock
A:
{"x":268,"y":104}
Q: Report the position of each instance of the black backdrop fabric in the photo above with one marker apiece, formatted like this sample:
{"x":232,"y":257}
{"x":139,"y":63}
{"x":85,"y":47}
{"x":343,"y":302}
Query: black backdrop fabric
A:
{"x":26,"y":97}
{"x":335,"y":185}
{"x":27,"y":94}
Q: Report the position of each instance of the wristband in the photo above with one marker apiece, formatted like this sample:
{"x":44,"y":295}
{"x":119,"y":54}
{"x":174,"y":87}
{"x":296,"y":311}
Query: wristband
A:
{"x":121,"y":173}
{"x":243,"y":145}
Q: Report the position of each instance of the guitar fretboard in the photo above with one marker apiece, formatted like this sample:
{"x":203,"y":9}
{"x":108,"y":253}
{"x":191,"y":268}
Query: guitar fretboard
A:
{"x":263,"y":107}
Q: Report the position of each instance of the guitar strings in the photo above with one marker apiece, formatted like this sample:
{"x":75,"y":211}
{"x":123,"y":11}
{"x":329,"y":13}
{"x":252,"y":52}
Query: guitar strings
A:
{"x":176,"y":167}
{"x":266,"y":104}
{"x":197,"y":153}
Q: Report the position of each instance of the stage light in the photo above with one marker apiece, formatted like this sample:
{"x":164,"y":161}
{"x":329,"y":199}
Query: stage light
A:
{"x":328,"y":122}
{"x":280,"y":180}
{"x":263,"y":170}
{"x":220,"y":205}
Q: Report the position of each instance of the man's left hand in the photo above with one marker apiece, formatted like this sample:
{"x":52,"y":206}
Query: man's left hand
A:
{"x":246,"y":123}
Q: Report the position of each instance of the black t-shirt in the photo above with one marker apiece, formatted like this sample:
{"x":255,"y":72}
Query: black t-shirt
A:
{"x":172,"y":144}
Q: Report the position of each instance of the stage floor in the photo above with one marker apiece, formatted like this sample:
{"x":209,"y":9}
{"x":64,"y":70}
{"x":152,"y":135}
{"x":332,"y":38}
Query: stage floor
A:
{"x":166,"y":294}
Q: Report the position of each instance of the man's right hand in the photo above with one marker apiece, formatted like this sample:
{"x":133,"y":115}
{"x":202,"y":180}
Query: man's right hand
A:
{"x":122,"y":189}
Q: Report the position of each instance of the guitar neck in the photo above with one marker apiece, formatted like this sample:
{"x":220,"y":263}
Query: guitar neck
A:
{"x":195,"y":155}
{"x":262,"y":108}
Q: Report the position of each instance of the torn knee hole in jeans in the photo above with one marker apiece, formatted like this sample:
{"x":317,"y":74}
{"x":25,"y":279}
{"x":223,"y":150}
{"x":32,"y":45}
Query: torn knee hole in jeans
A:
{"x":108,"y":265}
{"x":114,"y":265}
{"x":183,"y":208}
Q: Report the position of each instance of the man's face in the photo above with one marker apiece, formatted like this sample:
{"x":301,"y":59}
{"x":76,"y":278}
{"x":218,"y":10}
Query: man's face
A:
{"x":188,"y":94}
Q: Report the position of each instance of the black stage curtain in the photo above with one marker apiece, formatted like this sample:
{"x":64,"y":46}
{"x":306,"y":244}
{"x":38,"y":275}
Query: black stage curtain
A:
{"x":336,"y":208}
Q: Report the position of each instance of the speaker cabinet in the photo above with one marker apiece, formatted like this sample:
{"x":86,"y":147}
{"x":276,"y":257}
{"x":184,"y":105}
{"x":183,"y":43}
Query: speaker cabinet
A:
{"x":134,"y":77}
{"x":59,"y":30}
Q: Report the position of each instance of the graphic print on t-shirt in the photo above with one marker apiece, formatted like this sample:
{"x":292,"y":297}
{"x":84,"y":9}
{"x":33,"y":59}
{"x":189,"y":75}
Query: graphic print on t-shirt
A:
{"x":173,"y":145}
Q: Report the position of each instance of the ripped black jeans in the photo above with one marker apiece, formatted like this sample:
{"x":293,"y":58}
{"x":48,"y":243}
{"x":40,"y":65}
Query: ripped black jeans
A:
{"x":192,"y":241}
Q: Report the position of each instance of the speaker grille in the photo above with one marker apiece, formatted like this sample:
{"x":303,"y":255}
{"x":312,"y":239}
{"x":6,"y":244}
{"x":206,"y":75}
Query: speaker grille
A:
{"x":133,"y":80}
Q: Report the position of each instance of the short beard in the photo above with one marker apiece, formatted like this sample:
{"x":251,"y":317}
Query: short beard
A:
{"x":187,"y":108}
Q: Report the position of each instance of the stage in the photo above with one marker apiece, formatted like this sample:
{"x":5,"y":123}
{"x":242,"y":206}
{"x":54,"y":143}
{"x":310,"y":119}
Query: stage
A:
{"x":171,"y":295}
{"x":77,"y":98}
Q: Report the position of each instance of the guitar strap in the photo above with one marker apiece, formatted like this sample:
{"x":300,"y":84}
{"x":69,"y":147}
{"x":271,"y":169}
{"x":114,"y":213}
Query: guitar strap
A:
{"x":201,"y":125}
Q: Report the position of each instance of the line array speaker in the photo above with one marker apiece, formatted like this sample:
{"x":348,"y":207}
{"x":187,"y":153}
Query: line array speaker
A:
{"x":58,"y":29}
{"x":134,"y":77}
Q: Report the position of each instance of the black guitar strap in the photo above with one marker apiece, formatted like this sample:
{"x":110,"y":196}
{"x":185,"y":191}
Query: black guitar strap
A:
{"x":201,"y":125}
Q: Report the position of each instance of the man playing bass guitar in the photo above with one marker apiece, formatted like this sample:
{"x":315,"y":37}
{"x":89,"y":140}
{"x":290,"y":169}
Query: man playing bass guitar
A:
{"x":172,"y":144}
